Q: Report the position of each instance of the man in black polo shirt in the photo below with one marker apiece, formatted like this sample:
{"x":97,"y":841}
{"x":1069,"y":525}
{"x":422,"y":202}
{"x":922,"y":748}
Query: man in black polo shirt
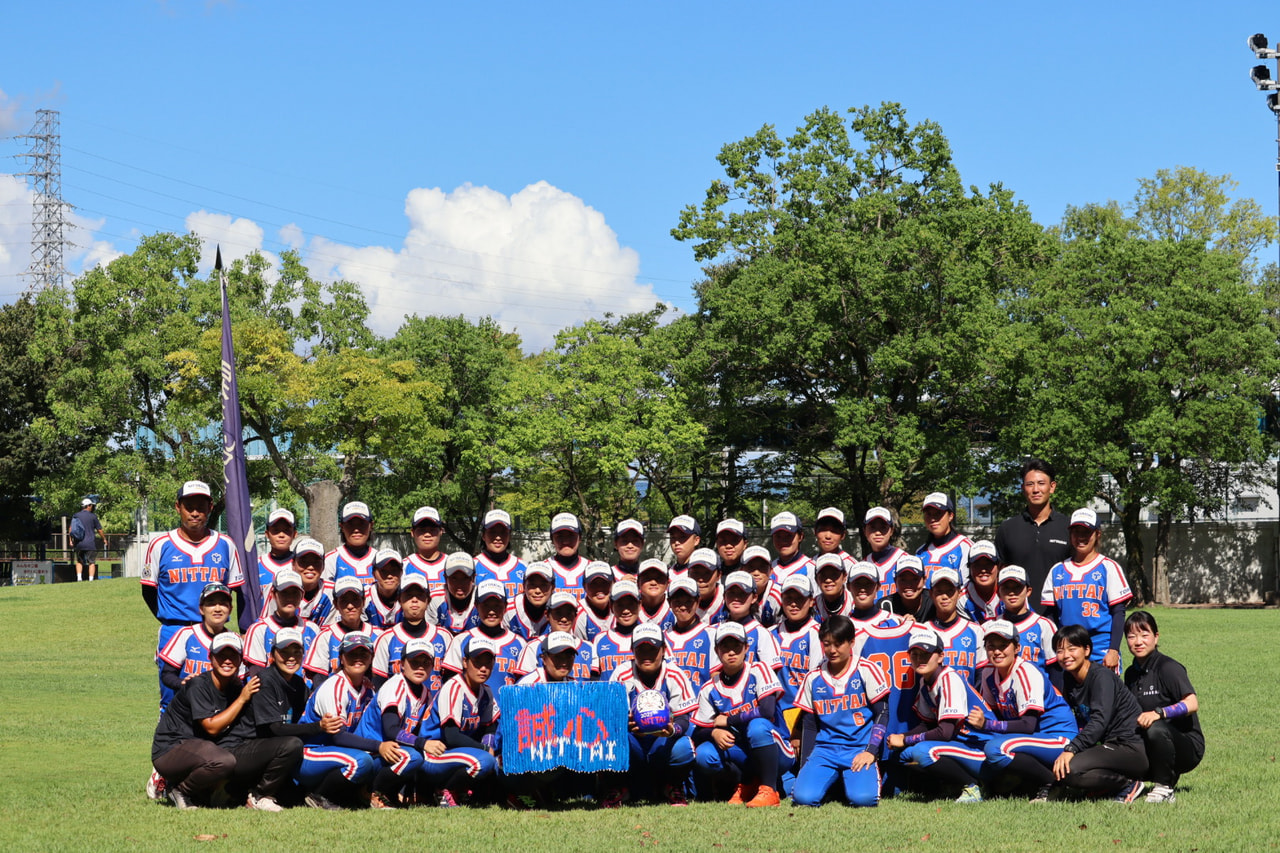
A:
{"x":1037,"y":538}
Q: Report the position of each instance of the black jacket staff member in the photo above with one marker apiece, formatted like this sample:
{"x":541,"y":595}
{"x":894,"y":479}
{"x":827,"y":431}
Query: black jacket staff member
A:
{"x":1107,"y":755}
{"x":1169,"y":723}
{"x":1035,"y":539}
{"x":205,"y":736}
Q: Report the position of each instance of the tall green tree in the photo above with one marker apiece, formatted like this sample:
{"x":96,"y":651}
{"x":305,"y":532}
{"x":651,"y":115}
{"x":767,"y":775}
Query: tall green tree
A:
{"x":1147,"y":354}
{"x":853,"y":315}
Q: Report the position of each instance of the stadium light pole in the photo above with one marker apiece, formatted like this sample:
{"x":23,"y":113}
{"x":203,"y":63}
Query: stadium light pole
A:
{"x":1262,"y":79}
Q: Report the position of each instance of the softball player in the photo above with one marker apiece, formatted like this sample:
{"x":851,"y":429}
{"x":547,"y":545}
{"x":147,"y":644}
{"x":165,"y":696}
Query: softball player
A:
{"x":846,"y":699}
{"x":464,"y":717}
{"x":568,"y":565}
{"x":389,"y":648}
{"x":1090,"y":590}
{"x":496,"y":562}
{"x":491,"y":607}
{"x":280,"y":535}
{"x":739,"y":606}
{"x":559,"y":656}
{"x":864,"y":586}
{"x":428,"y":560}
{"x":703,"y":568}
{"x":354,"y":557}
{"x":628,"y":541}
{"x":187,"y":652}
{"x":612,"y":649}
{"x":787,"y":533}
{"x":981,"y":601}
{"x":829,"y":531}
{"x":739,"y":732}
{"x":962,"y":648}
{"x":395,"y":717}
{"x":684,"y":534}
{"x":308,"y":562}
{"x":878,"y":528}
{"x":944,"y":547}
{"x":1035,"y":632}
{"x":689,"y":641}
{"x":799,"y":648}
{"x":1032,"y":722}
{"x":731,"y":544}
{"x":830,"y":576}
{"x":455,"y":611}
{"x":261,"y":636}
{"x":527,"y":614}
{"x":768,"y":593}
{"x":652,"y":582}
{"x":321,"y":659}
{"x":596,"y":615}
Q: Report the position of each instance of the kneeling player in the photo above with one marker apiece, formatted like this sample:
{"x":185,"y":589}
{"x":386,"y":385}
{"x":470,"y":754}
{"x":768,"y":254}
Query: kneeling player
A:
{"x":1032,"y":722}
{"x":740,"y":732}
{"x":660,"y":756}
{"x":464,"y":717}
{"x":846,"y":699}
{"x":396,"y":716}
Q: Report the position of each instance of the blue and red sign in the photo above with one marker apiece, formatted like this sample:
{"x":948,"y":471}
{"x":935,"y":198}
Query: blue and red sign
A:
{"x":577,"y":725}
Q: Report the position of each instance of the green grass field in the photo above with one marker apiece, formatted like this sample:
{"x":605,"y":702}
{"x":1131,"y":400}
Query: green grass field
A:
{"x":78,"y":690}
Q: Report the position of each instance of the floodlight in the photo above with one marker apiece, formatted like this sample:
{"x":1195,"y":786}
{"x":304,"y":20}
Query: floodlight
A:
{"x":1258,"y":44}
{"x":1261,"y":76}
{"x":1273,"y":101}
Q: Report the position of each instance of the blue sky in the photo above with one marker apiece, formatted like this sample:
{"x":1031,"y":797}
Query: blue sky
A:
{"x":528,"y":161}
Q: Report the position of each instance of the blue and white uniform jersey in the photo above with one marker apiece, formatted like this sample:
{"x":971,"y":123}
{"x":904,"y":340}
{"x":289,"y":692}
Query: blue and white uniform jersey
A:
{"x":504,"y":662}
{"x":962,"y":647}
{"x":379,"y":613}
{"x":441,"y":612}
{"x":954,"y":552}
{"x":188,"y":650}
{"x":591,"y":624}
{"x":1084,"y":594}
{"x":769,"y":605}
{"x":1025,"y":690}
{"x":671,"y":682}
{"x":799,"y":564}
{"x":518,"y":619}
{"x":432,"y":570}
{"x":388,"y":652}
{"x":761,"y":646}
{"x":260,"y":639}
{"x":456,"y":704}
{"x":693,"y":651}
{"x":822,"y":610}
{"x":950,"y":697}
{"x":878,"y":617}
{"x":318,"y":608}
{"x":396,"y":693}
{"x":841,"y":704}
{"x":886,"y":646}
{"x":268,"y":566}
{"x":978,"y":607}
{"x":322,"y":657}
{"x":664,"y":618}
{"x":800,"y":652}
{"x":711,"y":613}
{"x":1035,"y":638}
{"x":530,"y":662}
{"x":886,"y":564}
{"x":337,"y":696}
{"x":508,"y":571}
{"x":754,"y":682}
{"x":570,"y":578}
{"x":341,"y":563}
{"x":179,"y":570}
{"x":610,"y":651}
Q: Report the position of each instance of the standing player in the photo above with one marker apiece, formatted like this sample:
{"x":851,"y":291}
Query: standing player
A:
{"x":382,"y":598}
{"x":739,"y":606}
{"x":660,"y":760}
{"x":495,"y":561}
{"x":491,"y":608}
{"x":569,"y":566}
{"x":942,"y":745}
{"x":321,"y":659}
{"x":1090,"y":590}
{"x":944,"y":547}
{"x":910,"y":600}
{"x":181,"y":563}
{"x":388,"y":649}
{"x":260,"y":639}
{"x":1032,"y":722}
{"x":281,"y":532}
{"x":455,"y":611}
{"x":1035,"y":632}
{"x":612,"y":648}
{"x":187,"y":654}
{"x":787,"y":533}
{"x":831,"y":575}
{"x":878,"y":528}
{"x":628,"y":541}
{"x":527,"y":613}
{"x":597,"y":615}
{"x":703,"y":569}
{"x":981,"y":601}
{"x":689,"y":641}
{"x":864,"y":585}
{"x":354,"y":557}
{"x":684,"y":534}
{"x":308,"y":562}
{"x":427,"y":559}
{"x":652,"y":582}
{"x":768,"y":593}
{"x":739,"y":732}
{"x":828,"y":534}
{"x":846,"y":699}
{"x":962,"y":648}
{"x":731,"y":543}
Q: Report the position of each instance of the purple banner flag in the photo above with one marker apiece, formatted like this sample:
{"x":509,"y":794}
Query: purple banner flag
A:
{"x":239,"y":514}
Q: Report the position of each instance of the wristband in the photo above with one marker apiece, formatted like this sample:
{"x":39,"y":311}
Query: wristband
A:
{"x":1177,"y":709}
{"x":406,"y":738}
{"x":997,"y":726}
{"x":912,"y":740}
{"x":877,"y":738}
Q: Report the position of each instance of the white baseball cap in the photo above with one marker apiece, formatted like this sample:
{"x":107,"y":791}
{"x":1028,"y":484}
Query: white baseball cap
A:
{"x":226,"y":640}
{"x":425,"y":513}
{"x":87,"y":502}
{"x":653,"y":565}
{"x":786,"y":521}
{"x":559,"y":641}
{"x":491,"y":588}
{"x":623,"y":588}
{"x":347,"y":583}
{"x":288,"y":637}
{"x":940,"y":500}
{"x":479,"y":643}
{"x":1013,"y":573}
{"x":497,"y":516}
{"x":566,"y":521}
{"x":799,"y":582}
{"x":944,"y":573}
{"x":683,"y":583}
{"x":597,"y":569}
{"x":418,"y":646}
{"x":459,"y":562}
{"x":879,"y":512}
{"x":307,"y":546}
{"x":983,"y":548}
{"x":755,"y":552}
{"x":194,"y":487}
{"x":1000,"y":628}
{"x":864,"y":569}
{"x":385,"y":556}
{"x":356,"y":509}
{"x":740,"y":579}
{"x":540,"y":567}
{"x":831,"y":561}
{"x":647,"y":632}
{"x":704,"y":557}
{"x":412,"y":579}
{"x":831,"y":513}
{"x":1084,"y":517}
{"x":909,"y":563}
{"x":725,"y":630}
{"x":286,"y":578}
{"x":924,"y":638}
{"x":561,"y":598}
{"x":629,"y":525}
{"x":279,"y":514}
{"x":732,"y":525}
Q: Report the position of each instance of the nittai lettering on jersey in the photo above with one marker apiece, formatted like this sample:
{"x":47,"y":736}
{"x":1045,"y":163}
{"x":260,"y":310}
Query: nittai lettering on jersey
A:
{"x":845,"y":702}
{"x":194,"y":667}
{"x":1032,"y":654}
{"x":959,"y":659}
{"x":689,"y":660}
{"x":794,"y":664}
{"x":190,"y":574}
{"x":1090,"y":591}
{"x":608,"y":663}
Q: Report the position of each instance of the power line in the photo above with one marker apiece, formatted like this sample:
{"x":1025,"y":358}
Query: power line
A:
{"x":47,"y":241}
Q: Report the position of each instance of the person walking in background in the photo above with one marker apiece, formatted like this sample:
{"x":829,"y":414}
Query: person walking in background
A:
{"x":85,"y":528}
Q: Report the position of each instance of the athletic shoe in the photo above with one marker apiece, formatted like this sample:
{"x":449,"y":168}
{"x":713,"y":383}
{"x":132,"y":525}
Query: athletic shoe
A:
{"x":262,"y":804}
{"x":676,"y":796}
{"x":615,"y":798}
{"x":155,"y":786}
{"x":1043,"y":795}
{"x":744,"y":792}
{"x":765,"y":796}
{"x":181,"y":800}
{"x":447,"y":800}
{"x":1128,"y":792}
{"x":1161,"y":794}
{"x":316,"y":801}
{"x":378,"y":801}
{"x":970,"y":794}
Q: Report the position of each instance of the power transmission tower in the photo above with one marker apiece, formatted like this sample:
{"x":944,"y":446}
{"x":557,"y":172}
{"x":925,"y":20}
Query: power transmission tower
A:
{"x":48,"y":223}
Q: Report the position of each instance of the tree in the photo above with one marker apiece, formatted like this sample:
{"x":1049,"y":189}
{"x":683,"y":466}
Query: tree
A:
{"x":1148,"y":353}
{"x":852,"y":319}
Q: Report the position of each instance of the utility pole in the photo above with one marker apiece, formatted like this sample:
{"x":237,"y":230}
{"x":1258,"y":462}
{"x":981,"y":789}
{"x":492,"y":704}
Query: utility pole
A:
{"x":48,"y":222}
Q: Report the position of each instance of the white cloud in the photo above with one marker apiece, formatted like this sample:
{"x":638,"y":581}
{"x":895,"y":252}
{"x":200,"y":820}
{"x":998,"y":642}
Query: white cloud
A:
{"x":537,"y":261}
{"x":15,"y":235}
{"x":8,"y":114}
{"x":237,"y":237}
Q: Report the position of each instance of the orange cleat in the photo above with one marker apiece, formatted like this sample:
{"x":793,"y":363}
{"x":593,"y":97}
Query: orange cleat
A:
{"x":766,"y":796}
